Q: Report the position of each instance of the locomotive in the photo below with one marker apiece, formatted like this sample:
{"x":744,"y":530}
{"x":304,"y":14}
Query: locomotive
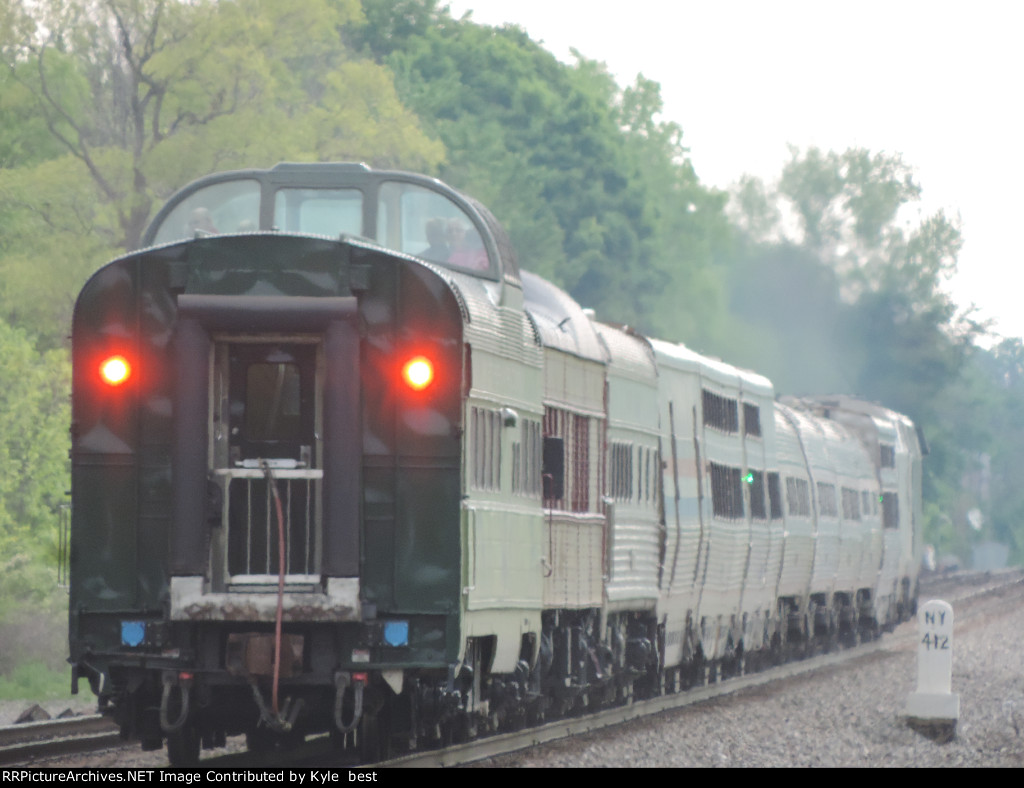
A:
{"x":339,"y":465}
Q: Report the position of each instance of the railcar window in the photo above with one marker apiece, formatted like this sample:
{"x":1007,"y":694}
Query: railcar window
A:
{"x":865,"y":502}
{"x":755,"y":481}
{"x":888,"y":455}
{"x":229,"y":207}
{"x":798,"y":496}
{"x":319,"y":211}
{"x":751,"y":420}
{"x":273,"y":402}
{"x":421,"y":222}
{"x":526,"y":460}
{"x":580,"y":460}
{"x":720,"y":412}
{"x":621,"y":487}
{"x":775,"y":496}
{"x":890,"y":510}
{"x":574,"y":430}
{"x":486,"y":449}
{"x":650,"y":464}
{"x":534,"y":457}
{"x":641,"y":472}
{"x":827,"y":500}
{"x":726,"y":492}
{"x":851,"y":504}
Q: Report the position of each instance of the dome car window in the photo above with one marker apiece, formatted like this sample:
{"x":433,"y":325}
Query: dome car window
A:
{"x":421,"y":222}
{"x":227,"y":207}
{"x":330,"y":212}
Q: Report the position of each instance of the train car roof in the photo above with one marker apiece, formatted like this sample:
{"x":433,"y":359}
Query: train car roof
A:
{"x":561,"y":322}
{"x":629,"y":353}
{"x":867,"y":418}
{"x":680,"y":357}
{"x":842,"y":402}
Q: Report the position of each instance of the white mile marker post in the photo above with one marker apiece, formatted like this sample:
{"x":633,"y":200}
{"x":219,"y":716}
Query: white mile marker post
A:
{"x":934,"y":709}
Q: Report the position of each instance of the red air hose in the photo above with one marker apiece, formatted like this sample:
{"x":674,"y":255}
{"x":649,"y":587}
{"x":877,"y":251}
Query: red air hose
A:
{"x":280,"y":587}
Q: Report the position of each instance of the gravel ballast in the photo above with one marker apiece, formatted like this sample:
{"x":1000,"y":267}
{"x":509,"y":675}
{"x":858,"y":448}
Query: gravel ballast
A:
{"x":849,"y":715}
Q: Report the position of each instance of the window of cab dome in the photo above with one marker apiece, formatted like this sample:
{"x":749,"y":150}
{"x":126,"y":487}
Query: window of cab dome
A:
{"x":421,"y":222}
{"x":328,"y":212}
{"x":226,"y":207}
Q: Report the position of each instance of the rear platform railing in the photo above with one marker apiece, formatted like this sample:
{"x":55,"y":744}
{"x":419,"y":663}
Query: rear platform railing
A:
{"x":252,"y":561}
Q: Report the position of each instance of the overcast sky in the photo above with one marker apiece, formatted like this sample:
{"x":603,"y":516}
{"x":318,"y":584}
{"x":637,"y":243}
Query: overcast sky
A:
{"x":939,"y":82}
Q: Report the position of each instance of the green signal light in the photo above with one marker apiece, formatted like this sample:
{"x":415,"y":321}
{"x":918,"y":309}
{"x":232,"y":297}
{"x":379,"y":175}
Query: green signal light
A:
{"x":749,"y":478}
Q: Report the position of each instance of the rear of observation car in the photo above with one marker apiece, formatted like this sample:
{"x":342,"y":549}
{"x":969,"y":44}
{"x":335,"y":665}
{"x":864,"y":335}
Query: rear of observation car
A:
{"x":254,"y":440}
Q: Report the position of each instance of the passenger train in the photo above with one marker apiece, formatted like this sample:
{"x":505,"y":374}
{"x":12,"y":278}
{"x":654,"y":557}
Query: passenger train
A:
{"x":339,"y":465}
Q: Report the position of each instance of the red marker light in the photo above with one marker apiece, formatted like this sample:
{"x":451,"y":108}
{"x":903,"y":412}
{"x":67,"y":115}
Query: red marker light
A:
{"x":418,"y":373}
{"x":115,"y":370}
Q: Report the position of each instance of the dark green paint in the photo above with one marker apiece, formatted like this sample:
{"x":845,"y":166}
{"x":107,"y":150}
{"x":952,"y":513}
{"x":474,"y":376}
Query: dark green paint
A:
{"x":121,"y":457}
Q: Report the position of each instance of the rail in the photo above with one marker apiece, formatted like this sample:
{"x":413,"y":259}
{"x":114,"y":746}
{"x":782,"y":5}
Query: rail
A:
{"x":21,"y":744}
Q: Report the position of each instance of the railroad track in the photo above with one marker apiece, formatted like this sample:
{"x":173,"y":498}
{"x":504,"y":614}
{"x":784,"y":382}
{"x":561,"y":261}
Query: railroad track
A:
{"x":24,"y":743}
{"x":28,"y":744}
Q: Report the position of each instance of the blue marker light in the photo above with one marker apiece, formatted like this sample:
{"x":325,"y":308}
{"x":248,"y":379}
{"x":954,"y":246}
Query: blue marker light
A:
{"x":133,"y":632}
{"x":396,"y":633}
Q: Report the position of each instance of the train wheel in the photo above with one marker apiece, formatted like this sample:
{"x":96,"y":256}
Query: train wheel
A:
{"x":830,"y":641}
{"x":259,"y":740}
{"x":183,"y":746}
{"x":696,"y":675}
{"x":374,"y":737}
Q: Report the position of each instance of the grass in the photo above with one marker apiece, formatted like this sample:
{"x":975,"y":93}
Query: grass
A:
{"x":33,"y":681}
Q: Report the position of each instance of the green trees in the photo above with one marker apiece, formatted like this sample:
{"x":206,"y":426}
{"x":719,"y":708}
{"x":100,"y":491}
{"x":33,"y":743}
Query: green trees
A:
{"x":147,"y":95}
{"x":849,"y":297}
{"x":34,"y":417}
{"x":117,"y":103}
{"x":1003,"y":419}
{"x":595,"y":191}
